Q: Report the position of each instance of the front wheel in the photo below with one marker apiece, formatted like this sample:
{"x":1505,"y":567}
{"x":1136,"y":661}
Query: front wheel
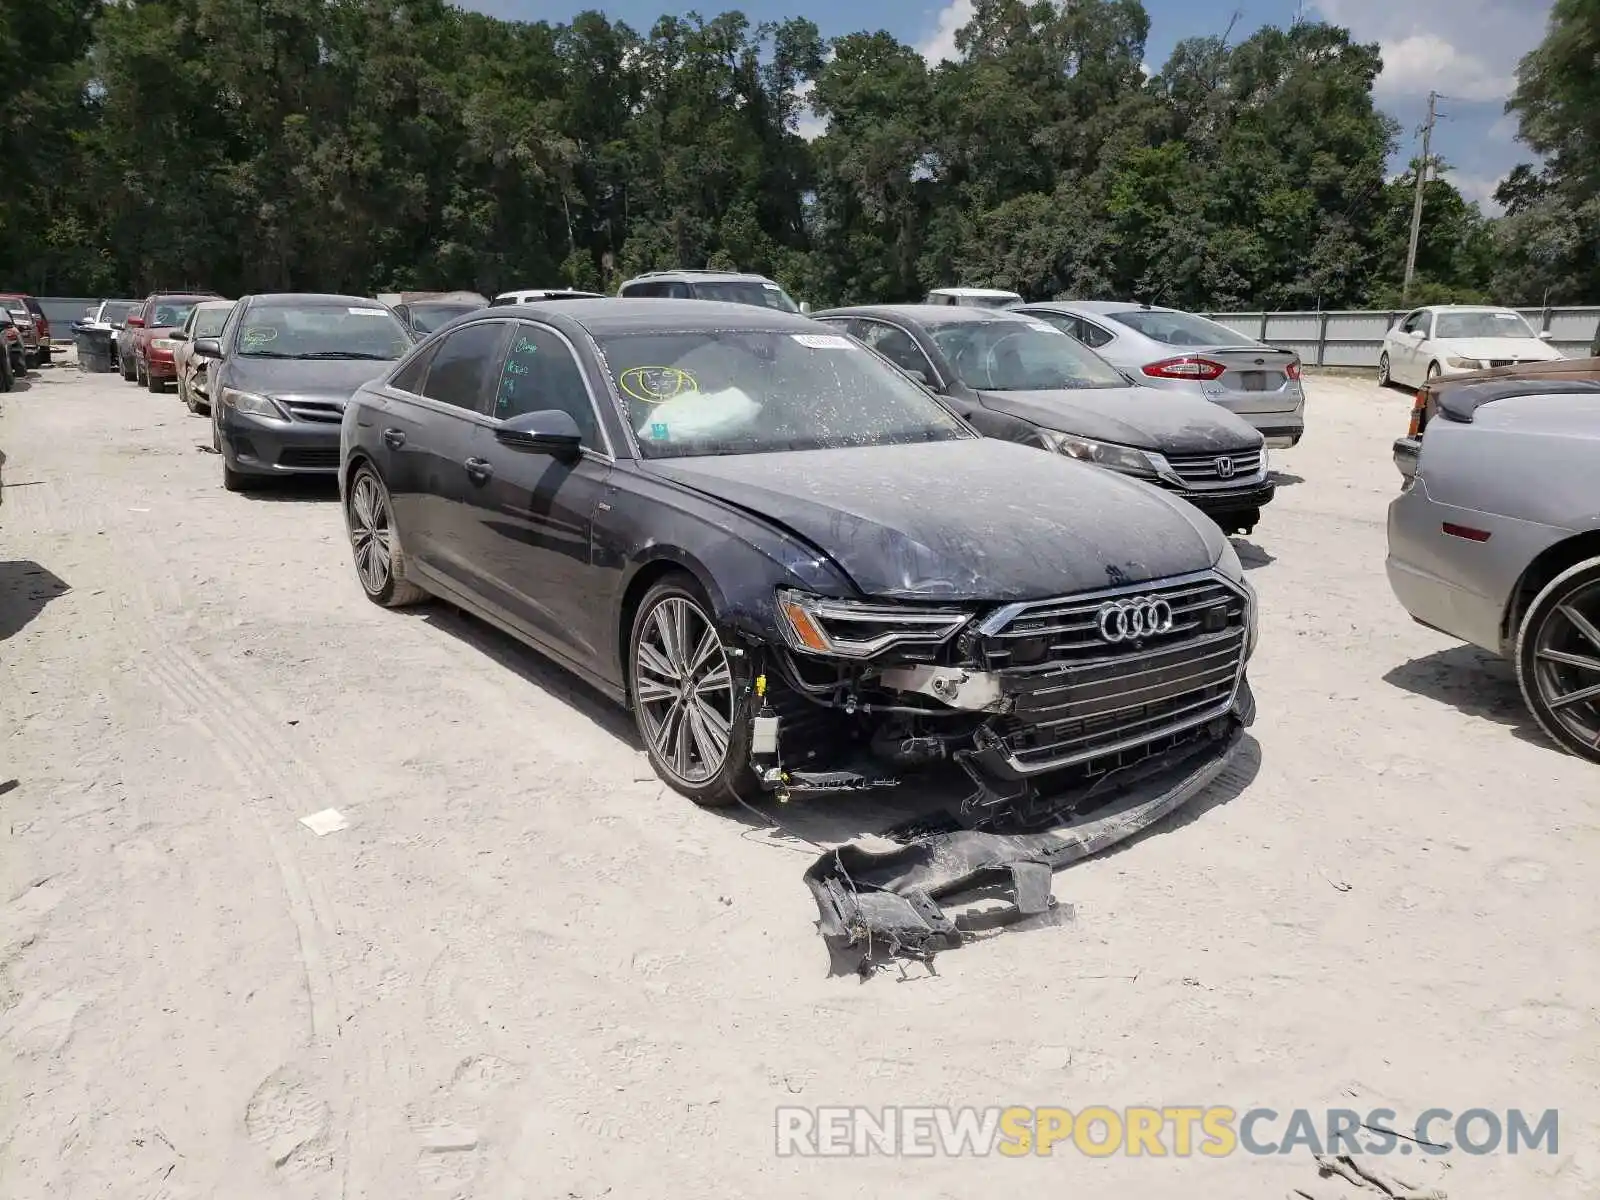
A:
{"x":685,"y":691}
{"x":1384,"y":379}
{"x":375,"y":542}
{"x":44,"y":357}
{"x":129,"y":368}
{"x":153,"y":384}
{"x":1558,"y":659}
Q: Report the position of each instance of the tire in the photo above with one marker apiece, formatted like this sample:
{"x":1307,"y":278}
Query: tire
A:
{"x":236,"y":481}
{"x":129,"y":368}
{"x":680,"y":750}
{"x":186,"y":394}
{"x":1384,"y":379}
{"x":1547,"y":630}
{"x":153,"y":384}
{"x":7,"y":379}
{"x":45,"y":356}
{"x":1433,"y":371}
{"x":369,"y":518}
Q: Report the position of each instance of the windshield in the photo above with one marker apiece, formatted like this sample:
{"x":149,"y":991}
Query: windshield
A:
{"x":208,"y":322}
{"x":170,"y":314}
{"x":988,"y":301}
{"x":762,"y":295}
{"x":322,"y":330}
{"x":1178,"y":329}
{"x":425,"y":318}
{"x":1481,"y":325}
{"x":751,"y":392}
{"x":1022,"y":356}
{"x":116,"y":311}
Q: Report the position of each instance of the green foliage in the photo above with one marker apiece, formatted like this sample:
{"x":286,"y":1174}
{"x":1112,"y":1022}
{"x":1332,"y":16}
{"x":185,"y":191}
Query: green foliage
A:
{"x":366,"y":145}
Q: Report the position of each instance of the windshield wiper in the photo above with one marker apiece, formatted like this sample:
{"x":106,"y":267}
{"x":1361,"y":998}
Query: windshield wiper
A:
{"x":343,"y":354}
{"x":266,"y":354}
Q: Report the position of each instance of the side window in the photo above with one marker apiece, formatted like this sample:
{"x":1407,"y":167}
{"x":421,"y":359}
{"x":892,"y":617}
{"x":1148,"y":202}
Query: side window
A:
{"x":678,"y":291}
{"x":464,"y":363}
{"x":1092,"y":335}
{"x":540,"y":374}
{"x":1412,"y":323}
{"x":502,"y":301}
{"x":897,"y":346}
{"x":409,"y":377}
{"x":646,"y":291}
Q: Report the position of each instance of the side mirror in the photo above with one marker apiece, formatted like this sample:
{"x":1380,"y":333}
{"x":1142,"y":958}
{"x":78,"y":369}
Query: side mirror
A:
{"x":1548,"y":335}
{"x":135,"y":322}
{"x":208,"y":348}
{"x":805,"y":308}
{"x":550,"y":431}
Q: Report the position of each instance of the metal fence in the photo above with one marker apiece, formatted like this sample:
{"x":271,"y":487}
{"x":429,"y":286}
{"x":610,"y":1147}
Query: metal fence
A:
{"x":1353,"y":338}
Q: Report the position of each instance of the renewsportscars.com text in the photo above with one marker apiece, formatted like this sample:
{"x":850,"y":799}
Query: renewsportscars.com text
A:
{"x":1100,"y":1131}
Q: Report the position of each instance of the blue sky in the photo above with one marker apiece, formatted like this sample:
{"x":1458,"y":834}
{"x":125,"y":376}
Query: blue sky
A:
{"x":1466,"y":49}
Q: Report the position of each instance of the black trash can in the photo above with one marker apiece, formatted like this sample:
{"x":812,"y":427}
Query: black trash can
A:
{"x":94,"y":349}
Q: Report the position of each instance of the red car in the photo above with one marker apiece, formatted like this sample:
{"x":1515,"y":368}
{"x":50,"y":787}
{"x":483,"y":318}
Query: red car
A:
{"x":146,"y":344}
{"x":41,"y":323}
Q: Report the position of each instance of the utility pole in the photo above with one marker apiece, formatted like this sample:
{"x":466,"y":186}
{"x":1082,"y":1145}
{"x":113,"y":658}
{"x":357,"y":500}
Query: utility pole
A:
{"x":1416,"y":206}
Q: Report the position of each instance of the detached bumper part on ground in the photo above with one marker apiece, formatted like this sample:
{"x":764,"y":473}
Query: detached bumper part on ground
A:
{"x":875,"y":906}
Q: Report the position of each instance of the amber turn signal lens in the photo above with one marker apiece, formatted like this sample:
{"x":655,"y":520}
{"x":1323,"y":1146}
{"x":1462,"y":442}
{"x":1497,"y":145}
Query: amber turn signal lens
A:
{"x":805,"y":629}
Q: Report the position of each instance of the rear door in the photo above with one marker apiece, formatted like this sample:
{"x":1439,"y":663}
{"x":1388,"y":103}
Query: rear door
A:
{"x":431,"y":438}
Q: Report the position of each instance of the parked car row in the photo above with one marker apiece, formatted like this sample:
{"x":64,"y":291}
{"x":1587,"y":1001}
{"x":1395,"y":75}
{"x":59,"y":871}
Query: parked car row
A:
{"x":25,"y":330}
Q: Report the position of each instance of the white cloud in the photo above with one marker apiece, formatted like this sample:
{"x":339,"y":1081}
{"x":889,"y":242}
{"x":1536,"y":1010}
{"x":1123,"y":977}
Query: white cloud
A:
{"x":1466,"y":49}
{"x":810,"y":126}
{"x":1478,"y":188}
{"x":941,"y":43}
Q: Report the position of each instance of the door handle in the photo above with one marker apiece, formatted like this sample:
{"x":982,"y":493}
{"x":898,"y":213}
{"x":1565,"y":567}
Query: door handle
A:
{"x":394,"y":438}
{"x":478,"y":470}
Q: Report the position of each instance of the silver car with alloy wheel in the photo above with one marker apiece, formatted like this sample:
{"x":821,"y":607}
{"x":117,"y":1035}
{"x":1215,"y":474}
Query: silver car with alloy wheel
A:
{"x":1495,"y":539}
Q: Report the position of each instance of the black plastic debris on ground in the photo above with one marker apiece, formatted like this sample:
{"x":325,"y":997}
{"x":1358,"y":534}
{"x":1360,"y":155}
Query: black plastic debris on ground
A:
{"x":880,"y":906}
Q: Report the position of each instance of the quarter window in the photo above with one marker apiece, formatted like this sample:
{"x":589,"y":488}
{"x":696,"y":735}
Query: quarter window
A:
{"x":540,"y":375}
{"x":409,"y":377}
{"x":897,"y":346}
{"x":464,"y":364}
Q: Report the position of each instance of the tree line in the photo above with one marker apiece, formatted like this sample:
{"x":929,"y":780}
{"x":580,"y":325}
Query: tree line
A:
{"x":367,"y":145}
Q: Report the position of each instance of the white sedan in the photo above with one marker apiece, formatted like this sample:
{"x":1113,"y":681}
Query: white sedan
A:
{"x":1451,"y":339}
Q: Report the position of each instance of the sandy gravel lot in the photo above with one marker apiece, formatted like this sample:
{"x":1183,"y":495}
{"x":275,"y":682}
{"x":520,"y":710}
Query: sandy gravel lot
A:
{"x":523,"y":971}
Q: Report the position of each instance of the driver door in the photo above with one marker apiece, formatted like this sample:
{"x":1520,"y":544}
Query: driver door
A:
{"x":1403,"y":365}
{"x":531,"y":516}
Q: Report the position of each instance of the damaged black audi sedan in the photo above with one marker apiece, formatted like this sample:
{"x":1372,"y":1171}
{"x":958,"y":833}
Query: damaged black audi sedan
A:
{"x":798,"y":569}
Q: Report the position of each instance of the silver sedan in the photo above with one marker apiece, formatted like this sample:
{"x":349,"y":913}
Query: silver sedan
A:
{"x":1179,"y":351}
{"x":1495,"y":539}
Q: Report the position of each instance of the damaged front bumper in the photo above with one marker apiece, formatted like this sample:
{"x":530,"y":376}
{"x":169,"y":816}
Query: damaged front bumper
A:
{"x":1042,"y":705}
{"x":884,"y":904}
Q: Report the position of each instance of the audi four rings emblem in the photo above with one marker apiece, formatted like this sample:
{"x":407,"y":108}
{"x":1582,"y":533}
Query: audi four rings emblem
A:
{"x":1224,"y":468}
{"x":1129,"y":620}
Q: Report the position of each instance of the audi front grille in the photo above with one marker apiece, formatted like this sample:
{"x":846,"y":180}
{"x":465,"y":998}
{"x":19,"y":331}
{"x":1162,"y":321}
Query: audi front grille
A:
{"x":1206,"y":469}
{"x":1080,"y":696}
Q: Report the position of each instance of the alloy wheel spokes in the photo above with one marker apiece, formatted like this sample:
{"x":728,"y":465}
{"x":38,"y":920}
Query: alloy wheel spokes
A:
{"x":1567,"y":663}
{"x":683,"y":686}
{"x":369,"y":534}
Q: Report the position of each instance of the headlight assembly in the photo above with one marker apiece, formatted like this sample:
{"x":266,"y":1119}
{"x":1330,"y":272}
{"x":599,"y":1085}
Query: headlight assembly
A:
{"x":1103,"y":454}
{"x":252,"y":405}
{"x":1467,"y":364}
{"x":853,"y":629}
{"x":166,"y":344}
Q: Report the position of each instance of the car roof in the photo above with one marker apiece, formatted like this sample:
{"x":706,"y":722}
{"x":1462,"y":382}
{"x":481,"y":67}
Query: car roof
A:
{"x":1104,"y":307}
{"x":209,"y":304}
{"x":549,"y":291}
{"x":705,"y":276}
{"x":315,"y":298}
{"x":928,"y":314}
{"x":970,"y":291}
{"x":1494,"y":308}
{"x":621,"y":315}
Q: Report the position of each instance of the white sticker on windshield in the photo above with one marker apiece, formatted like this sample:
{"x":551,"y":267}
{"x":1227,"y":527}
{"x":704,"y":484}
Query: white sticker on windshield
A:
{"x":368,"y":312}
{"x":772,"y":287}
{"x":824,"y":341}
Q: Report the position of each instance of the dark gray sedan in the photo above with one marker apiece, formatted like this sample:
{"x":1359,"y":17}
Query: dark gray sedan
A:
{"x":1018,"y":378}
{"x":281,"y":372}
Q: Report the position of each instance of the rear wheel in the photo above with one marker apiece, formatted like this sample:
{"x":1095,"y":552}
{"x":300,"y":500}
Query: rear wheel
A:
{"x":1383,"y":370}
{"x":44,"y":356}
{"x":153,"y":384}
{"x":1558,"y":659}
{"x":129,"y":368}
{"x":685,"y":692}
{"x":375,"y":542}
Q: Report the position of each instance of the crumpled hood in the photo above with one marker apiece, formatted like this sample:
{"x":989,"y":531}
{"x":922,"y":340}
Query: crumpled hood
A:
{"x":308,"y":379}
{"x":974,"y":519}
{"x":1146,"y":418}
{"x":1526,"y":349}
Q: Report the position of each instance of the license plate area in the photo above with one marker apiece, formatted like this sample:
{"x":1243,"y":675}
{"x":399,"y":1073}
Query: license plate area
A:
{"x":1253,"y":381}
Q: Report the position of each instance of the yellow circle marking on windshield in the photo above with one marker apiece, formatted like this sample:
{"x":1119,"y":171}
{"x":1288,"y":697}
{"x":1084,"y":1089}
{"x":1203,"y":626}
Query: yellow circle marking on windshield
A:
{"x":657,"y":385}
{"x":259,"y":335}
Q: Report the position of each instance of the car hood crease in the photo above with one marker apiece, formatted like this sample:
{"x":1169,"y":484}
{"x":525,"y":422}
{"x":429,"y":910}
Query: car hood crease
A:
{"x":973,"y":519}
